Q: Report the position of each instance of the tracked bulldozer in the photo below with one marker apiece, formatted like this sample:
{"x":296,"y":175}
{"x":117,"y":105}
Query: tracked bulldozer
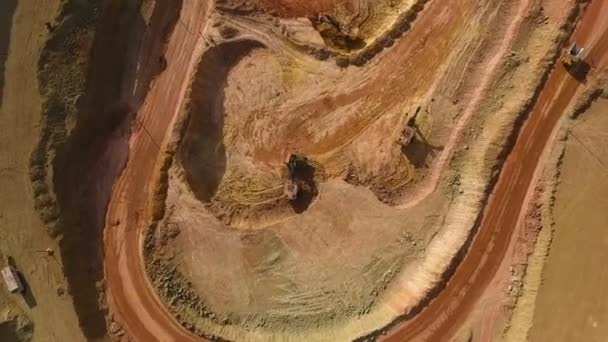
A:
{"x":408,"y":133}
{"x":300,"y":183}
{"x":294,"y":163}
{"x":407,"y":136}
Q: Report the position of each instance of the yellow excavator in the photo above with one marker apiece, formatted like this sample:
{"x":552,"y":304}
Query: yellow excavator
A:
{"x":573,"y":57}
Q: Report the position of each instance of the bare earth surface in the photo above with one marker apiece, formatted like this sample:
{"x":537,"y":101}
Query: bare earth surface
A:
{"x":274,"y":264}
{"x":498,"y":222}
{"x":148,"y":146}
{"x":23,"y":237}
{"x":575,"y":275}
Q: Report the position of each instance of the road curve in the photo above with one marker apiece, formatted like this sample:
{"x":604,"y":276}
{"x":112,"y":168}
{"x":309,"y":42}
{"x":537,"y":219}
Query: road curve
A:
{"x":445,"y":314}
{"x":134,"y":302}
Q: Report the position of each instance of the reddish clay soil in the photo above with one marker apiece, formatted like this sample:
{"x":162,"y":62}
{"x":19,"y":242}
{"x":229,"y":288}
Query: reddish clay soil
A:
{"x":445,"y":313}
{"x":299,"y":8}
{"x":134,"y":301}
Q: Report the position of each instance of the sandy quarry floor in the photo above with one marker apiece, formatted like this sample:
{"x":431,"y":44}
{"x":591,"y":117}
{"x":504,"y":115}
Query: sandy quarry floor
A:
{"x":535,"y":135}
{"x":45,"y":312}
{"x":159,"y":148}
{"x":282,"y":267}
{"x":575,"y":274}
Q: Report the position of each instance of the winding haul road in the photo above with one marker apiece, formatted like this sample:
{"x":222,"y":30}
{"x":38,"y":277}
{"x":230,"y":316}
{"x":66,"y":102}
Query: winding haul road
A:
{"x":142,"y":314}
{"x":130,"y":295}
{"x":444,"y":315}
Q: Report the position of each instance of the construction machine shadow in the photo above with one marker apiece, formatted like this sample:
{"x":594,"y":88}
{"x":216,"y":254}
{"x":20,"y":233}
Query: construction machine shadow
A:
{"x":580,"y":71}
{"x":574,"y":63}
{"x":414,"y":145}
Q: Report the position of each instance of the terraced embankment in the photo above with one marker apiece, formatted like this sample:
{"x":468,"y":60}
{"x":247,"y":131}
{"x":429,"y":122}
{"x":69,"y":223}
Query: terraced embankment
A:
{"x":178,"y":156}
{"x":501,"y":215}
{"x":190,"y":230}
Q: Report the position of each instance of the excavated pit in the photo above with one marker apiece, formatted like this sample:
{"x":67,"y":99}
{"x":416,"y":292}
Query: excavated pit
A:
{"x":250,"y":106}
{"x":240,"y":131}
{"x":203,"y":151}
{"x":297,"y":170}
{"x":230,"y":254}
{"x":92,"y":92}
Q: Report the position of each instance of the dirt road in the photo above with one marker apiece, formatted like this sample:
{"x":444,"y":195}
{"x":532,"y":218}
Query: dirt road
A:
{"x":22,"y":38}
{"x":136,"y":305}
{"x":133,"y":301}
{"x":450,"y":308}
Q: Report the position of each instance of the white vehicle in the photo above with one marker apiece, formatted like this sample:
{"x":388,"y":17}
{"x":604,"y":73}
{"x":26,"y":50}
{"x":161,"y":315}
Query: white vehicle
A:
{"x":12,"y":280}
{"x":574,"y":56}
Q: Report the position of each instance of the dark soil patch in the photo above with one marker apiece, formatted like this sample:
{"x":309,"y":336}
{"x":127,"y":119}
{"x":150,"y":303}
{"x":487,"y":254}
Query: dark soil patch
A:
{"x":87,"y":73}
{"x":202,"y":150}
{"x":7,"y":10}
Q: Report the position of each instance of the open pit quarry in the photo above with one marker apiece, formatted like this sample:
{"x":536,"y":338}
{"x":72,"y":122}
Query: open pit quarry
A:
{"x":294,"y":170}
